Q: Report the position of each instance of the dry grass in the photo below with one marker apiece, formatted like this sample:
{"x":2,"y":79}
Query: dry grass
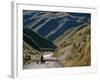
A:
{"x":29,"y":54}
{"x":81,"y":55}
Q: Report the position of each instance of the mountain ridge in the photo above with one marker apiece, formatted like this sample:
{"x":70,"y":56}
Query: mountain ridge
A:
{"x":51,"y":25}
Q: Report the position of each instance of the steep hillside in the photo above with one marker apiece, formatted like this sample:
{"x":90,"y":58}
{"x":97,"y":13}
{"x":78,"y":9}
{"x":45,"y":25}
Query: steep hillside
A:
{"x":80,"y":53}
{"x":68,"y":34}
{"x":36,"y":41}
{"x":29,"y":54}
{"x":50,"y":24}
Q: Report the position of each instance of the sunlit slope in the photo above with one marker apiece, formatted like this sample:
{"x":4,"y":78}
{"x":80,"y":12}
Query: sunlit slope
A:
{"x":29,"y":54}
{"x":80,"y":43}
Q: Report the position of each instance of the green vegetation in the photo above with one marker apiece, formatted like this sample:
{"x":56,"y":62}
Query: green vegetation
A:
{"x":41,"y":41}
{"x":33,"y":44}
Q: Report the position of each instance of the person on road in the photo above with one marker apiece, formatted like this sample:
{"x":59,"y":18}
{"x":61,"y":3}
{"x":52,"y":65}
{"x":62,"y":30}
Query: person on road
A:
{"x":42,"y":59}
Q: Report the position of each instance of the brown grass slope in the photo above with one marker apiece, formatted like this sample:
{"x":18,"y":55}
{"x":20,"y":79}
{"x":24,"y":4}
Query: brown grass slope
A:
{"x":29,"y":54}
{"x":80,"y":50}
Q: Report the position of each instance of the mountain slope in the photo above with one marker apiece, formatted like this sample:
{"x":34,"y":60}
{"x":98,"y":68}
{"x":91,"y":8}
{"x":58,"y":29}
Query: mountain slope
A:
{"x":52,"y":25}
{"x":29,"y":53}
{"x":80,"y":54}
{"x":38,"y":41}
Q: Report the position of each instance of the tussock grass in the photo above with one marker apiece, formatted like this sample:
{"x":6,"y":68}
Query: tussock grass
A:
{"x":81,"y":55}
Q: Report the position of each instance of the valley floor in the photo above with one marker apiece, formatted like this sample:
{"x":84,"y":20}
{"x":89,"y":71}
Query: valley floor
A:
{"x":34,"y":65}
{"x":48,"y":64}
